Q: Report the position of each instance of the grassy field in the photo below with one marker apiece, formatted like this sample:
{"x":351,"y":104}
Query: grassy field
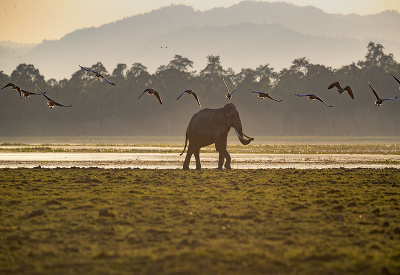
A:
{"x":131,"y":221}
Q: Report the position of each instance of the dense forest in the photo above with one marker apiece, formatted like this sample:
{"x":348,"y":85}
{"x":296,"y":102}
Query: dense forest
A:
{"x":102,"y":109}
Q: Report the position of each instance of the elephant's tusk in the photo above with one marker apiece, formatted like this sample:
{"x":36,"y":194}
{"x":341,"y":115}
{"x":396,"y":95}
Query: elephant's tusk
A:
{"x":243,"y":140}
{"x":248,"y":136}
{"x":239,"y":136}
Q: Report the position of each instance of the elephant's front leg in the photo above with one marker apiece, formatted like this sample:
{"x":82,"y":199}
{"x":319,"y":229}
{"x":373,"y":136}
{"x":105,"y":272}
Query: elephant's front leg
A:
{"x":222,"y":156}
{"x":228,"y":160}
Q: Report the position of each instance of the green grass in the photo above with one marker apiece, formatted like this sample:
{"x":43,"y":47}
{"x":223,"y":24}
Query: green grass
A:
{"x":130,"y":221}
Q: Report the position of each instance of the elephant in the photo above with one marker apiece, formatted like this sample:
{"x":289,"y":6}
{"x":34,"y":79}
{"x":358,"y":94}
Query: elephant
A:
{"x":210,"y":126}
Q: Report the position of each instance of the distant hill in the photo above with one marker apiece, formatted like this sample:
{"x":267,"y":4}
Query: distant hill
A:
{"x":12,"y":54}
{"x":244,"y":35}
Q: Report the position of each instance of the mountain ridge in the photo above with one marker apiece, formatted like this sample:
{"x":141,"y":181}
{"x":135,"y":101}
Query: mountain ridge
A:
{"x":329,"y":39}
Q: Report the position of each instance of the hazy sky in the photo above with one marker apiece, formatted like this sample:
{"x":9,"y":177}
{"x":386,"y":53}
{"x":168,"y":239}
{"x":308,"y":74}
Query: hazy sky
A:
{"x":31,"y":21}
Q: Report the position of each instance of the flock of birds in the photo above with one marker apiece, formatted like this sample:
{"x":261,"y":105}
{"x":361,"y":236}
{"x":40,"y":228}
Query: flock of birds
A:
{"x":23,"y":93}
{"x":261,"y":95}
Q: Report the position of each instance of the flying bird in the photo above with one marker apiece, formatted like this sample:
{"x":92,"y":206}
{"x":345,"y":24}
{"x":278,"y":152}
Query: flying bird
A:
{"x":313,"y":97}
{"x":51,"y":103}
{"x":341,"y":90}
{"x":398,"y":81}
{"x":229,"y":95}
{"x":15,"y":88}
{"x":190,"y":92}
{"x":379,"y":100}
{"x":97,"y":74}
{"x":151,"y":91}
{"x":27,"y":93}
{"x":262,"y":95}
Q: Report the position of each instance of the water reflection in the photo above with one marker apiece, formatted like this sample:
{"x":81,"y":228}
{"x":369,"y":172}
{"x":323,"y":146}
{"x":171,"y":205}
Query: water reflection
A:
{"x":209,"y":160}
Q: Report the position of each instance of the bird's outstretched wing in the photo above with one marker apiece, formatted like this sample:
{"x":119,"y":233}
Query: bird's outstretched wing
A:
{"x":376,"y":95}
{"x":97,"y":74}
{"x":28,"y":93}
{"x":41,"y":92}
{"x":277,"y":100}
{"x":55,"y":102}
{"x":398,"y":81}
{"x":262,"y":95}
{"x":108,"y":81}
{"x":10,"y":85}
{"x":236,"y":89}
{"x":15,"y":87}
{"x":158,"y":97}
{"x":313,"y":96}
{"x":197,"y":98}
{"x":334,"y":84}
{"x":59,"y":104}
{"x":142,"y":93}
{"x":349,"y":91}
{"x":181,"y":95}
{"x":318,"y":98}
{"x":226,"y":86}
{"x":48,"y":98}
{"x":20,"y":92}
{"x":32,"y":93}
{"x":389,"y":98}
{"x":87,"y":69}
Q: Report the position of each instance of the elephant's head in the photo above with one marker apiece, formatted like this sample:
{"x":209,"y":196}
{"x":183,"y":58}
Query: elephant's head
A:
{"x":232,"y":119}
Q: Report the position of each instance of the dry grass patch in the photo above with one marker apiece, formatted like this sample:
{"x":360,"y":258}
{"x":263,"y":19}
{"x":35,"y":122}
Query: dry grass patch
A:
{"x":127,"y":221}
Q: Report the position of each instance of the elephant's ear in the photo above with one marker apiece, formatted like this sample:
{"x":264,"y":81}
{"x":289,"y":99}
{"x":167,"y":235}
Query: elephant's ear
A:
{"x":222,"y":115}
{"x":228,"y":107}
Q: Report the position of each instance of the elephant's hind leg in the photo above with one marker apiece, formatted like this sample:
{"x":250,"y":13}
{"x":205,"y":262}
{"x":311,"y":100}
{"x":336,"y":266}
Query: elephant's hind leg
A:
{"x":197,"y":157}
{"x":187,"y":159}
{"x":220,"y":146}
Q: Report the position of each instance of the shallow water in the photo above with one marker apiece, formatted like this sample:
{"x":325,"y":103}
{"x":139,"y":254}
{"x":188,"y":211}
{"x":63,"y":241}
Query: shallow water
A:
{"x":180,"y":140}
{"x":208,"y":160}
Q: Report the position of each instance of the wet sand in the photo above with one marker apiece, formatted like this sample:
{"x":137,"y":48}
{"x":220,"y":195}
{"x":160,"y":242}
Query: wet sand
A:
{"x":208,"y":160}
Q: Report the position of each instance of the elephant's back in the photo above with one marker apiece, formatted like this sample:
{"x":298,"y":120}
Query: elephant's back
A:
{"x":204,"y":118}
{"x":205,"y":115}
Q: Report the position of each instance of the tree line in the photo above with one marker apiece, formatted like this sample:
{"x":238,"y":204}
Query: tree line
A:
{"x":102,"y":109}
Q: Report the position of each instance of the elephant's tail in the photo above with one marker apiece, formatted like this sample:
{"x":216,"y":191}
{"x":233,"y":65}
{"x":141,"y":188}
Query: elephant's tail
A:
{"x":184,"y":148}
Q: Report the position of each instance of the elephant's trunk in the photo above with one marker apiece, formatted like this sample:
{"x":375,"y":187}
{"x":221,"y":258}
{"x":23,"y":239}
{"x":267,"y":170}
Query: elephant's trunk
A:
{"x":240,"y":135}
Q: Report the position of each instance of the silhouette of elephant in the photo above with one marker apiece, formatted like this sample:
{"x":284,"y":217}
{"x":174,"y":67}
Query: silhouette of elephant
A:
{"x":210,"y":126}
